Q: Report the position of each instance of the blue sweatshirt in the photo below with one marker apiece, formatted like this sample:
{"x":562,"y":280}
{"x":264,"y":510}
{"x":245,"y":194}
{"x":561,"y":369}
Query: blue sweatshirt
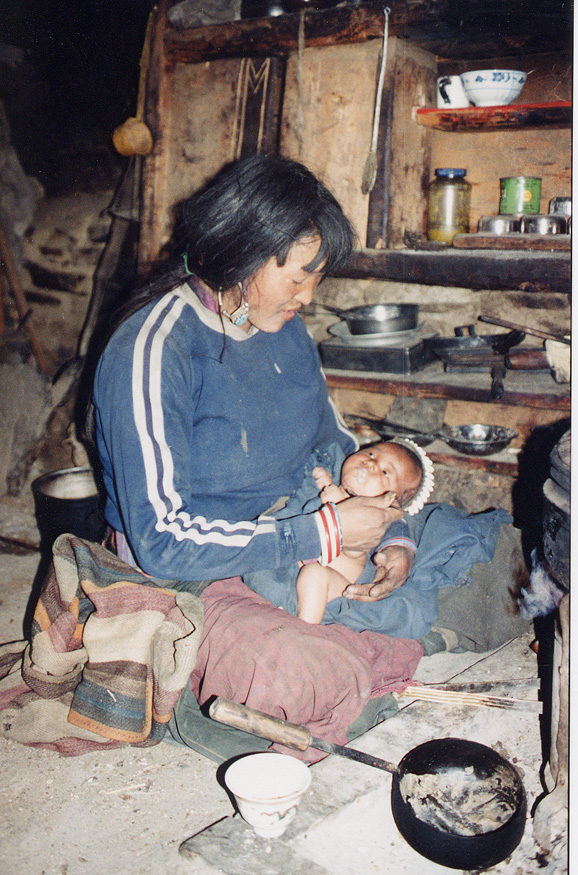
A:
{"x":200,"y":433}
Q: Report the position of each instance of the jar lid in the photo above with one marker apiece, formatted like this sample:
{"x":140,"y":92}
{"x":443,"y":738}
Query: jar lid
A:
{"x":450,"y":171}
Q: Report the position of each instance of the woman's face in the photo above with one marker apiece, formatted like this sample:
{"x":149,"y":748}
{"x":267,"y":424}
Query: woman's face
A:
{"x":276,"y":293}
{"x":378,"y":469}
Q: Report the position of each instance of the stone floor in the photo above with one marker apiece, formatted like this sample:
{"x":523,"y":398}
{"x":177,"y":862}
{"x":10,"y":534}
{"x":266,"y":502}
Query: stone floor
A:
{"x":164,"y":810}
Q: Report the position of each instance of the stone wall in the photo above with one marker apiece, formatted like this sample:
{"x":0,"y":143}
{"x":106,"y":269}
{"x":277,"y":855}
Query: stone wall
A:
{"x":60,"y":251}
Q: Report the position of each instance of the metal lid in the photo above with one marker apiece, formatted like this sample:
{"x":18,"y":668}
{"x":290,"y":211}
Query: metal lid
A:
{"x":450,"y":171}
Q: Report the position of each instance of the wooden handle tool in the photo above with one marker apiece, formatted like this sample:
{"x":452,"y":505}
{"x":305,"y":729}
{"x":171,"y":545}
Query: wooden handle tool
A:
{"x":528,"y":360}
{"x":290,"y":734}
{"x":545,"y":335}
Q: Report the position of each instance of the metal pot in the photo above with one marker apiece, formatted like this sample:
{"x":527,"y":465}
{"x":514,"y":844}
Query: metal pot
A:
{"x":68,"y":500}
{"x":560,"y":206}
{"x":378,"y":318}
{"x":554,"y":224}
{"x":457,"y":777}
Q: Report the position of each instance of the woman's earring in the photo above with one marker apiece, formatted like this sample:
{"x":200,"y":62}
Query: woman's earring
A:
{"x":241,"y":314}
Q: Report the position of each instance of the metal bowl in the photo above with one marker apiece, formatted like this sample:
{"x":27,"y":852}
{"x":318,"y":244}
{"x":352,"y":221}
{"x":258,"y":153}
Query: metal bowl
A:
{"x":551,"y":224}
{"x":478,"y":440}
{"x":506,"y":223}
{"x":381,"y":318}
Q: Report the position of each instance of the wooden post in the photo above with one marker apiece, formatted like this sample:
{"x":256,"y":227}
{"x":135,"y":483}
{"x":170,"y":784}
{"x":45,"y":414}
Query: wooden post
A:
{"x":158,"y":117}
{"x":11,"y":272}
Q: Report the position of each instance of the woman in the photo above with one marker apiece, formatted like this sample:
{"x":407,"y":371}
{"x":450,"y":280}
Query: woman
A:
{"x":209,"y":397}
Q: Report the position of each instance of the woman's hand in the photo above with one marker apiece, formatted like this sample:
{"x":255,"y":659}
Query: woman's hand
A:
{"x":393,"y":568}
{"x":364,"y":521}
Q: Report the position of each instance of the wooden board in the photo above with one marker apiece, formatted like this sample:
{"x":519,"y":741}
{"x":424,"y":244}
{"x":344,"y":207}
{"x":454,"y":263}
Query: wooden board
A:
{"x":532,"y":242}
{"x":327,"y":124}
{"x":522,"y":388}
{"x":472,"y":269}
{"x":397,"y":202}
{"x":206,"y":115}
{"x":492,"y":118}
{"x":431,"y":24}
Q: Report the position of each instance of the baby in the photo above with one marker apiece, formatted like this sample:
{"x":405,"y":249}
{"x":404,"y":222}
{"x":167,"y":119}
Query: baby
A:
{"x":398,"y":469}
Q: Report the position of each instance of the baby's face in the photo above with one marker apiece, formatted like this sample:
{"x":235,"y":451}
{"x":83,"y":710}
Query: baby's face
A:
{"x":378,"y":469}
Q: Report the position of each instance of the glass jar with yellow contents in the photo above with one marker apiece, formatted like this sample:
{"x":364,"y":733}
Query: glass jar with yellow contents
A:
{"x":448,"y":209}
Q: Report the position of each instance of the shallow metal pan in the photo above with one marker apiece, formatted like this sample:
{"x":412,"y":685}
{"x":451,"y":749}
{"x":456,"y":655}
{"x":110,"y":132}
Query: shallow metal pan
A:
{"x":377,"y":318}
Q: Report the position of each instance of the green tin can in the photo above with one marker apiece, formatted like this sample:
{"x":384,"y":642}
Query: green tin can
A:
{"x":520,"y":194}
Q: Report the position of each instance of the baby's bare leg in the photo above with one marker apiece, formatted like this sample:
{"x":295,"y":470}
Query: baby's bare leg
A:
{"x":316,"y":585}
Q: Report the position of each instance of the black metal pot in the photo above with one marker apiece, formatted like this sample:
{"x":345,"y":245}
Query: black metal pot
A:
{"x":68,"y":500}
{"x":449,"y":759}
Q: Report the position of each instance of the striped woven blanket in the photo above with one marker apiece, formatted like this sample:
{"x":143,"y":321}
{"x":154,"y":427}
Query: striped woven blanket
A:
{"x":109,"y":654}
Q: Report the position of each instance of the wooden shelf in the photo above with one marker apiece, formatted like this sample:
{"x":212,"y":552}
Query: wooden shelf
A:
{"x":557,"y":114}
{"x":471,"y":269}
{"x":533,"y":390}
{"x":515,"y":241}
{"x":521,"y":388}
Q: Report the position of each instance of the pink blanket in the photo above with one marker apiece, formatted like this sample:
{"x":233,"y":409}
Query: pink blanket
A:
{"x":318,"y":676}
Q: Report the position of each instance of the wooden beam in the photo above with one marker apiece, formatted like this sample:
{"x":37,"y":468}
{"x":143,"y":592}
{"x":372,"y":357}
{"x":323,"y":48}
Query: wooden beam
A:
{"x":280,"y":34}
{"x":414,"y":385}
{"x":8,"y":263}
{"x":479,"y":31}
{"x":514,"y":241}
{"x":475,"y":269}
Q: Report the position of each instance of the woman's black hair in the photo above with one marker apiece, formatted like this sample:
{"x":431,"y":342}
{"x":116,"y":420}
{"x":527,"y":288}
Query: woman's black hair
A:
{"x":253,"y":210}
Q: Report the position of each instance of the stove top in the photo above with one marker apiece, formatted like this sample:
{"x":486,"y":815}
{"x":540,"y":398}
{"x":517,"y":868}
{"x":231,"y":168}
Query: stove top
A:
{"x":405,"y":354}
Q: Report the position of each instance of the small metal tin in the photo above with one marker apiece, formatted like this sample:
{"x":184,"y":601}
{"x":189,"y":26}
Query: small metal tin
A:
{"x":520,"y":194}
{"x":560,"y":206}
{"x":551,"y":224}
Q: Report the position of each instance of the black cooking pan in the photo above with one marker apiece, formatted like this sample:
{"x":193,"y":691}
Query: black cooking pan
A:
{"x":463,"y":343}
{"x":456,"y":802}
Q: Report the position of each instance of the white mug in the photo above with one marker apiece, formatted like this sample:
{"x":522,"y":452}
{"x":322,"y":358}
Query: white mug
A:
{"x":450,"y":93}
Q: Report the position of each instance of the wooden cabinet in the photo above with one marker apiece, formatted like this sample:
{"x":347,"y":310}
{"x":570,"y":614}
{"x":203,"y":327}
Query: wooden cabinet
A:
{"x":304,"y":84}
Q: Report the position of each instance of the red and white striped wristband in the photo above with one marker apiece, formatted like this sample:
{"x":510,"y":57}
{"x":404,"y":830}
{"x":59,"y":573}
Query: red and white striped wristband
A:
{"x":329,"y":529}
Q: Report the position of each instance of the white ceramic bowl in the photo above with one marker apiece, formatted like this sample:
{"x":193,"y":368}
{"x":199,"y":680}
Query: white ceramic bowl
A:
{"x":268,"y":788}
{"x":493,"y":87}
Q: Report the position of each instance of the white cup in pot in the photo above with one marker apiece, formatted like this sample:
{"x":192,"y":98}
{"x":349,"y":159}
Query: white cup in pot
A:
{"x":450,"y":93}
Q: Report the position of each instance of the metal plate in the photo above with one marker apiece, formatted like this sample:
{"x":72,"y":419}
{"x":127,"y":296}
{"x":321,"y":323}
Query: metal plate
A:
{"x":341,"y":330}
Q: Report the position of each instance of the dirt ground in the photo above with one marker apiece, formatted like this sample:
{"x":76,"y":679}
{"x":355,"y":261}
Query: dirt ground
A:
{"x":117,"y":811}
{"x":128,"y":811}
